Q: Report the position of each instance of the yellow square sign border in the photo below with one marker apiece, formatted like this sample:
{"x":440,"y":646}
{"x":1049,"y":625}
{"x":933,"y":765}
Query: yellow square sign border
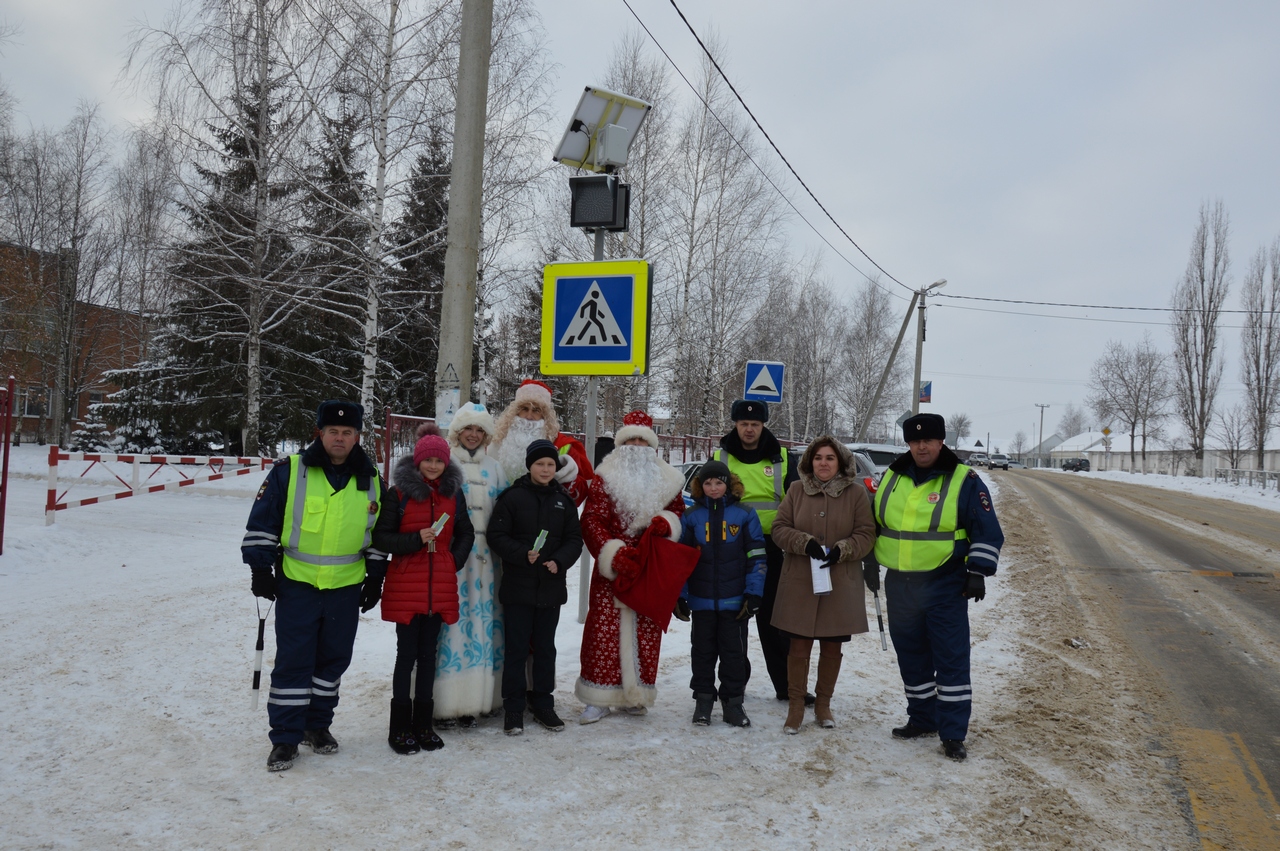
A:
{"x":641,"y":294}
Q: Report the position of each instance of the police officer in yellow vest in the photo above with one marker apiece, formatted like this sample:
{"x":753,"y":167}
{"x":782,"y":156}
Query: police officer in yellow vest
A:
{"x":939,"y":538}
{"x":308,"y":544}
{"x":756,"y":457}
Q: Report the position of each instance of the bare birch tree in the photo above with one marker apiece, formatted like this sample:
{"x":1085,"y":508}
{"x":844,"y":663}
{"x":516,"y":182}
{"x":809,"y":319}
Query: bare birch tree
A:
{"x":1129,"y":386}
{"x":1260,"y":346}
{"x":1074,"y":420}
{"x":1197,"y":302}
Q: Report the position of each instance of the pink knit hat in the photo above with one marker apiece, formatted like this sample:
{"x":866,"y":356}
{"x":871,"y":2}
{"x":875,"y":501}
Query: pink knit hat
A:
{"x":430,"y":444}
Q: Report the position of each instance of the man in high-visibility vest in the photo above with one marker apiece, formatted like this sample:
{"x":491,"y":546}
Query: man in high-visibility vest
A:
{"x":939,"y":538}
{"x":308,"y":544}
{"x":756,"y":457}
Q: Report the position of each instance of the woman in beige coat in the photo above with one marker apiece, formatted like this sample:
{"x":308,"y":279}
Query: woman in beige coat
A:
{"x":826,"y":509}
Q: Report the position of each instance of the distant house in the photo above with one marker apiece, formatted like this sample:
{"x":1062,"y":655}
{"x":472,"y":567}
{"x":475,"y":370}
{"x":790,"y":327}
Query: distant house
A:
{"x":56,"y":347}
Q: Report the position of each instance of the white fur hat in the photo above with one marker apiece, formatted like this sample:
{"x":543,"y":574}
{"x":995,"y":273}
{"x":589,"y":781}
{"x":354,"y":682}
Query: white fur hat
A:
{"x":534,"y":391}
{"x":471,"y":414}
{"x":636,"y":424}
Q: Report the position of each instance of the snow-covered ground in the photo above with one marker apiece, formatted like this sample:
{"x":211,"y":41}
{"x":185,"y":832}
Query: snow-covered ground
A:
{"x":1255,"y":495}
{"x":128,"y":630}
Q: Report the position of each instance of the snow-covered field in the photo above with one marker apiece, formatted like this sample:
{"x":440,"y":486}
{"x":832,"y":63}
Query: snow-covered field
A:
{"x":128,"y":630}
{"x":1256,"y":495}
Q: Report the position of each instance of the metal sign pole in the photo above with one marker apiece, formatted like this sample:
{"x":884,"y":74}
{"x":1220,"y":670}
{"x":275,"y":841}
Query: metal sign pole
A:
{"x":589,"y":432}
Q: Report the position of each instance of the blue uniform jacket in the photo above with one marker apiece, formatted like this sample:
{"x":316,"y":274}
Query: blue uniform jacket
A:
{"x":732,"y":563}
{"x":976,"y":514}
{"x":261,"y":545}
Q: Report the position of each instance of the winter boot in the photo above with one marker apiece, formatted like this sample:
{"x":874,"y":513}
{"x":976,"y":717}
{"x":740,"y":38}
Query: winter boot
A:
{"x":909,"y":730}
{"x":281,"y":757}
{"x":828,"y":671}
{"x":422,"y":729}
{"x":401,"y":735}
{"x":320,"y":741}
{"x":797,"y":679}
{"x":702,"y":704}
{"x":733,"y":713}
{"x":547,"y":717}
{"x":954,"y":749}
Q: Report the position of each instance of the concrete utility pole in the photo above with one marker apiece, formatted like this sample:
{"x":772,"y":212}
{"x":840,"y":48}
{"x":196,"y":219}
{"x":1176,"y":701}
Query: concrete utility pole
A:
{"x":1041,"y":446}
{"x":915,"y":389}
{"x":884,"y":376}
{"x":462,"y":252}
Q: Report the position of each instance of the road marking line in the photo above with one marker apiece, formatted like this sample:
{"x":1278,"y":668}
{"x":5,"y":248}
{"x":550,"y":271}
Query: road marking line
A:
{"x":1232,"y":804}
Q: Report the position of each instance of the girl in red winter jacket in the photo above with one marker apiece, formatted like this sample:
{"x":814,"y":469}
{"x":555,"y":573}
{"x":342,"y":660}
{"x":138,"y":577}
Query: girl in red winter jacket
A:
{"x":421,"y":590}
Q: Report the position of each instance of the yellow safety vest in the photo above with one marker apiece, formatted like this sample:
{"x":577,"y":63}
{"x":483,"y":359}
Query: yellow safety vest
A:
{"x":759,"y":481}
{"x":327,"y":533}
{"x":918,"y":523}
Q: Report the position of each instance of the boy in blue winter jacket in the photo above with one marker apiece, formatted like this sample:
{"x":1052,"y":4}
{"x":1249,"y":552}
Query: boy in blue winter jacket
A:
{"x":724,"y":590}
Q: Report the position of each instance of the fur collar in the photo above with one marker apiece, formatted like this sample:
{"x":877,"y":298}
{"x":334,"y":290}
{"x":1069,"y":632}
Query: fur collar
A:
{"x":357,"y":463}
{"x":410,"y":483}
{"x":768,"y":449}
{"x":834,"y":486}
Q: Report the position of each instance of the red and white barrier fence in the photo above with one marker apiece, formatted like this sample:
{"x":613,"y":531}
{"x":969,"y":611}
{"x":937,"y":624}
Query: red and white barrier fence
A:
{"x":217,"y":467}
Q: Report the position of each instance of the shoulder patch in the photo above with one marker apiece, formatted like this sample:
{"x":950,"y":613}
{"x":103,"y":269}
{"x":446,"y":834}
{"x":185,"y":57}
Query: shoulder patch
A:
{"x":985,"y":500}
{"x":973,"y":474}
{"x":261,"y":490}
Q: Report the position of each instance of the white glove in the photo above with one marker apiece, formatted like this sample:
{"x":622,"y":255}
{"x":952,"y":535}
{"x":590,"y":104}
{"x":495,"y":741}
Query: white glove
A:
{"x":566,"y":474}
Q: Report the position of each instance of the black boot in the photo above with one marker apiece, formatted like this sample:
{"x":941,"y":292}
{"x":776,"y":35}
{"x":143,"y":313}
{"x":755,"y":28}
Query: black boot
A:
{"x":954,"y":749}
{"x":702,"y":709}
{"x":733,"y":712}
{"x":281,"y":757}
{"x":422,"y":729}
{"x":909,"y":730}
{"x":401,"y":736}
{"x":320,"y":741}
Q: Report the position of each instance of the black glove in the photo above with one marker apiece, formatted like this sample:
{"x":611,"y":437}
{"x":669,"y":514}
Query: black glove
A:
{"x":750,"y":605}
{"x":264,"y":583}
{"x":833,"y":556}
{"x":871,"y":575}
{"x":975,"y":587}
{"x":371,"y":591}
{"x":814,"y":550}
{"x":682,"y":610}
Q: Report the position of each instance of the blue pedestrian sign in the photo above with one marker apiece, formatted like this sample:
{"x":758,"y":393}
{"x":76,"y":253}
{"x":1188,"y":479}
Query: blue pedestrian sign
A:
{"x":763,"y":381}
{"x":595,"y":318}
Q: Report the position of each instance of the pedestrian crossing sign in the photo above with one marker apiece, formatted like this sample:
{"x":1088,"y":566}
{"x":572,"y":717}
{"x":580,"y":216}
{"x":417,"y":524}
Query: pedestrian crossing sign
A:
{"x":763,"y":382}
{"x":595,"y":318}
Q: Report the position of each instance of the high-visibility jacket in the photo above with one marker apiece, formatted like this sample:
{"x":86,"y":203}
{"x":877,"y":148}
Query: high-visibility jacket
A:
{"x":918,"y":524}
{"x":762,"y":484}
{"x":326,"y":533}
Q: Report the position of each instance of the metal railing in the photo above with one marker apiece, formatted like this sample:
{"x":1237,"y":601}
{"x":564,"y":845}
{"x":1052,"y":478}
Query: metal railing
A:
{"x":1253,"y":478}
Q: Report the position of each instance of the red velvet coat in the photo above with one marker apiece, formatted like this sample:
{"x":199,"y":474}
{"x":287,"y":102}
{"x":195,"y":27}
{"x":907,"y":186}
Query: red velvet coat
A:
{"x":419,"y":581}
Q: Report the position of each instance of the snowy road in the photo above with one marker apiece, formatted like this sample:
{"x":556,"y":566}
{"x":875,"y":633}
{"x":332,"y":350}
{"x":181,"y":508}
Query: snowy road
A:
{"x":1192,"y":584}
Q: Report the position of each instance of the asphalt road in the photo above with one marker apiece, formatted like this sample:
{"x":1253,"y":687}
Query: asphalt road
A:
{"x":1191,"y":585}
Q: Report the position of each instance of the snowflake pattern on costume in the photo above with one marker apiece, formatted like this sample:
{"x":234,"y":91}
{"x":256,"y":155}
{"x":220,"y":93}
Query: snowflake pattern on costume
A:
{"x":469,"y":653}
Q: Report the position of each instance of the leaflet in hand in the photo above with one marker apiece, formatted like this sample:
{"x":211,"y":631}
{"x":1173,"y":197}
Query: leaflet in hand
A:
{"x":821,"y":572}
{"x":540,"y":541}
{"x":438,"y":526}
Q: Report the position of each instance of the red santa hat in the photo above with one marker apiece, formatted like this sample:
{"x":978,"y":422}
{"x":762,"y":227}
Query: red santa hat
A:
{"x":636,"y":424}
{"x":531,"y":390}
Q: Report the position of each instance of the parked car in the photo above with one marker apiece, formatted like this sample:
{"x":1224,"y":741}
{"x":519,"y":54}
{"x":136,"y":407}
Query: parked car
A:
{"x":998,"y":459}
{"x":881,"y":455}
{"x":977,"y":459}
{"x":1017,"y":465}
{"x":1076,"y":465}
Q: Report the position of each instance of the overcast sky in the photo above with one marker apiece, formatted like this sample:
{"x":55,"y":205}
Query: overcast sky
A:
{"x":1046,"y":152}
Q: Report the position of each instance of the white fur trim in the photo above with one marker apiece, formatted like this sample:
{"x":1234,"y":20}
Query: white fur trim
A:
{"x":631,"y":431}
{"x":629,"y":659}
{"x":534,"y":393}
{"x":673,"y":520}
{"x":604,"y":562}
{"x":470,"y":414}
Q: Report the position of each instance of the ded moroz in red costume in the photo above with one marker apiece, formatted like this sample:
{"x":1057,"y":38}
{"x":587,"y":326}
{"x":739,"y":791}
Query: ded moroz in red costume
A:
{"x":632,"y":489}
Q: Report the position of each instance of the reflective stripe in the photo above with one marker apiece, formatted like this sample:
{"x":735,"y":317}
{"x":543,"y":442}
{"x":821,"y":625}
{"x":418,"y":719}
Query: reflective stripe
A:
{"x":325,"y":683}
{"x":917,"y":536}
{"x":955,"y":698}
{"x":984,"y":551}
{"x":325,"y":692}
{"x":307,"y":558}
{"x":955,"y":688}
{"x":289,"y":702}
{"x":754,"y":553}
{"x":258,"y":539}
{"x":290,"y":690}
{"x":927,"y":687}
{"x":759,"y":505}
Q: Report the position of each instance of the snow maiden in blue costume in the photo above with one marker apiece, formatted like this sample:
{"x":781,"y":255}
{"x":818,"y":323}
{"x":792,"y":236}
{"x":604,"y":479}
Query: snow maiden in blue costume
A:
{"x":469,"y":654}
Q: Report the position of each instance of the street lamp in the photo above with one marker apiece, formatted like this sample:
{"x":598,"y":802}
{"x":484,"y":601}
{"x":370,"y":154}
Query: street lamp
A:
{"x":915,"y":392}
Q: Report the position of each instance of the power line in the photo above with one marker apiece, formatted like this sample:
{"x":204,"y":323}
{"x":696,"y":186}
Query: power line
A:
{"x":1066,"y":304}
{"x":1074,"y":318}
{"x":752,"y":160}
{"x":776,"y":150}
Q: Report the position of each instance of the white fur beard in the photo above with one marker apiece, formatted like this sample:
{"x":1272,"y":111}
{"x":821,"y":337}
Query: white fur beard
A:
{"x":510,"y":453}
{"x":634,"y":480}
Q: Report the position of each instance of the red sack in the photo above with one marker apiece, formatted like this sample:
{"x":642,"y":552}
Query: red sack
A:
{"x":664,"y":568}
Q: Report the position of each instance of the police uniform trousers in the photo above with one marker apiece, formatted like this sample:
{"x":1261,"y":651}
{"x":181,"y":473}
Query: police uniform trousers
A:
{"x":929,"y":625}
{"x":773,"y":644}
{"x":315,"y":634}
{"x":718,"y":635}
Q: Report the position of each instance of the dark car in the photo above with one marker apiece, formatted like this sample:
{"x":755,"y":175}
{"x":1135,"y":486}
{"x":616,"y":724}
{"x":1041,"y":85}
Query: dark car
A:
{"x":1076,"y":465}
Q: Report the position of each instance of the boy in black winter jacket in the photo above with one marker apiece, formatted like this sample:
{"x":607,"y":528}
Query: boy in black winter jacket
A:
{"x":533,"y":588}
